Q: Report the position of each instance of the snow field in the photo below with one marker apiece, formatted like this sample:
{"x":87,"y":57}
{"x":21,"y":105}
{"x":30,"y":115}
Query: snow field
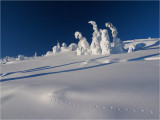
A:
{"x":67,"y":86}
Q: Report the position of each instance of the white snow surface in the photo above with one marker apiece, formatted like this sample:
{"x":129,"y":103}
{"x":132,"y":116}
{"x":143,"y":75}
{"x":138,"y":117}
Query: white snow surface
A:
{"x":67,"y":86}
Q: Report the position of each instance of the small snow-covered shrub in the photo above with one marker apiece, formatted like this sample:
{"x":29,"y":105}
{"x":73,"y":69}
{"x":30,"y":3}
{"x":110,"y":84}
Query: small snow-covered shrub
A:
{"x":8,"y":59}
{"x":73,"y":47}
{"x":64,"y":45}
{"x":35,"y":55}
{"x":20,"y":57}
{"x":56,"y":49}
{"x":49,"y":53}
{"x":83,"y":45}
{"x":95,"y":47}
{"x":118,"y":46}
{"x":131,"y":48}
{"x":4,"y":60}
{"x":64,"y":48}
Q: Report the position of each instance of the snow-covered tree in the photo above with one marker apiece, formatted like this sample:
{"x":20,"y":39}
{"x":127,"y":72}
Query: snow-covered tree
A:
{"x":118,"y":46}
{"x":73,"y":47}
{"x":113,"y":29}
{"x":49,"y":53}
{"x":83,"y":45}
{"x":131,"y":48}
{"x":95,"y":48}
{"x":5,"y":59}
{"x":20,"y":57}
{"x":105,"y":43}
{"x":117,"y":43}
{"x":35,"y":55}
{"x":57,"y":48}
{"x":64,"y":47}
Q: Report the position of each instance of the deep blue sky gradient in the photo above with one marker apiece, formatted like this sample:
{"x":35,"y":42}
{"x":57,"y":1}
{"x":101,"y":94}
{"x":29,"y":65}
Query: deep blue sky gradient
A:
{"x":29,"y":27}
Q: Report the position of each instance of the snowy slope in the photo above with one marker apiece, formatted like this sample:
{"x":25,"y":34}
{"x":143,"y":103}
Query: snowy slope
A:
{"x":68,"y":86}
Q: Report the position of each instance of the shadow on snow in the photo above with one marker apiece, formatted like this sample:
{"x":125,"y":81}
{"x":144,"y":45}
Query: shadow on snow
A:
{"x":48,"y":67}
{"x":70,"y":70}
{"x":142,"y":46}
{"x":76,"y":69}
{"x":143,"y":57}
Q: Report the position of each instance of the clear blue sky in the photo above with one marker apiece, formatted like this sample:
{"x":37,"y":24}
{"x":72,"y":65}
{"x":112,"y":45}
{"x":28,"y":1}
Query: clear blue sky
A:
{"x":29,"y":27}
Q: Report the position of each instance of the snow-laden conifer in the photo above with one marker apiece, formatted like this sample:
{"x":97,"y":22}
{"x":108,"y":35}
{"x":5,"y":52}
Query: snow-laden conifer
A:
{"x":64,"y":47}
{"x":95,"y":48}
{"x":105,"y":43}
{"x":5,"y":59}
{"x":117,"y":43}
{"x":35,"y":55}
{"x":20,"y":57}
{"x":49,"y":53}
{"x":72,"y":47}
{"x":131,"y":48}
{"x":57,"y":48}
{"x":83,"y":45}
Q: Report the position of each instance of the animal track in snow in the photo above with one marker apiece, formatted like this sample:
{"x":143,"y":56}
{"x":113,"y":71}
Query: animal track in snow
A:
{"x":103,"y":107}
{"x":60,"y":100}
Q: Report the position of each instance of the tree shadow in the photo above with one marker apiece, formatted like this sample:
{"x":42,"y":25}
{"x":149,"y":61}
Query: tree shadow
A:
{"x":143,"y":57}
{"x":78,"y":69}
{"x":155,"y":44}
{"x":139,"y":46}
{"x":48,"y":67}
{"x":63,"y":71}
{"x":30,"y":70}
{"x":142,"y":46}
